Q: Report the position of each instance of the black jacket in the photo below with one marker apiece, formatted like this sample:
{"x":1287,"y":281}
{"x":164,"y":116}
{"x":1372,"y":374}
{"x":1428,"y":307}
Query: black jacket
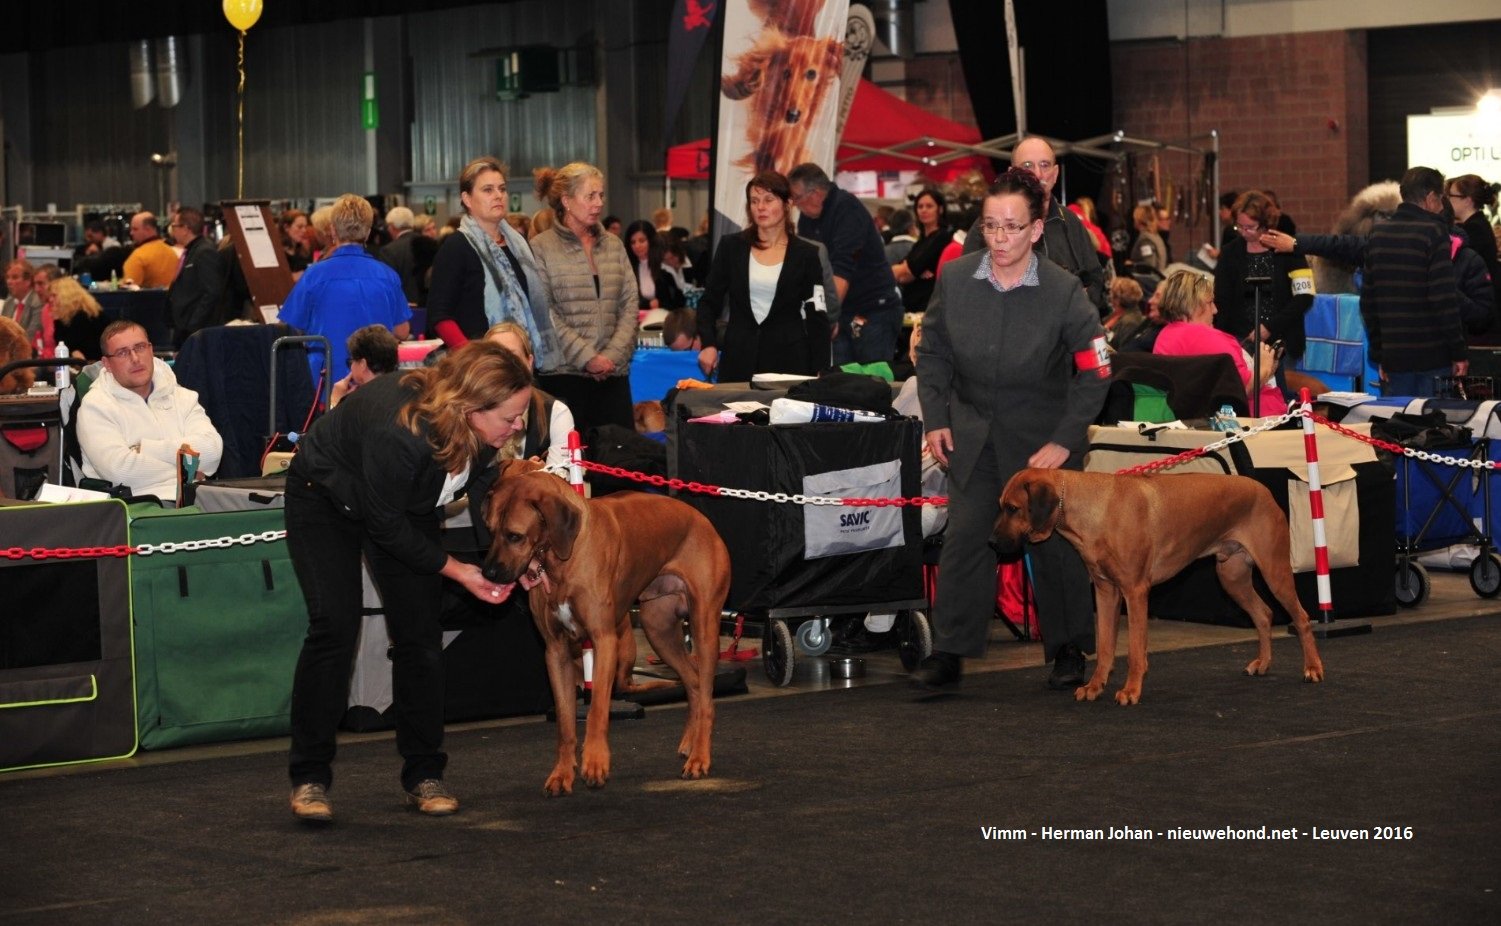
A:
{"x":380,"y":473}
{"x":1282,"y":309}
{"x":795,"y":336}
{"x":197,"y":294}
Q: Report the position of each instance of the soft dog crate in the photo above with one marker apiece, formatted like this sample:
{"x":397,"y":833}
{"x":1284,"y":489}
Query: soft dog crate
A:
{"x":218,"y":629}
{"x":31,"y":442}
{"x":67,"y":691}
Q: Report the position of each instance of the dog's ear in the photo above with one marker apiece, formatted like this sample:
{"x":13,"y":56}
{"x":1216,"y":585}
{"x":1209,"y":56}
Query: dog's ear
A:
{"x":1042,"y":508}
{"x":518,"y":467}
{"x":833,"y":56}
{"x":561,"y":516}
{"x":747,"y":77}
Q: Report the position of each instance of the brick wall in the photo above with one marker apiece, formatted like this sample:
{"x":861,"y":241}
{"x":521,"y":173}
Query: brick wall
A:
{"x":1290,"y":111}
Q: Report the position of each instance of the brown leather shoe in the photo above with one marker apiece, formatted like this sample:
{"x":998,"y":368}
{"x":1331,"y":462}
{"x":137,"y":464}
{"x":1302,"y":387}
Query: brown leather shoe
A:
{"x":310,"y":803}
{"x":433,"y":798}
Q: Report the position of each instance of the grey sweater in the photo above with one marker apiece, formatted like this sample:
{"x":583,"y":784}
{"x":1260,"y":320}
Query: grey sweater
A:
{"x":1000,"y":367}
{"x":588,"y":322}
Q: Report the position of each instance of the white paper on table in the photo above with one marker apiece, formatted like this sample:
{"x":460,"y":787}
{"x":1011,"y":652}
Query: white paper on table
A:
{"x":257,"y":239}
{"x":56,"y":493}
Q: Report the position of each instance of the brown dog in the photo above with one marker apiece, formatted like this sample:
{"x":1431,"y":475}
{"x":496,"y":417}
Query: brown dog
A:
{"x":1135,"y":531}
{"x":586,"y":564}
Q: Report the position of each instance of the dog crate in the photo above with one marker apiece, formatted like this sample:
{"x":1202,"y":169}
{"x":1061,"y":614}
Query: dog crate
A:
{"x":794,"y":564}
{"x":67,"y":687}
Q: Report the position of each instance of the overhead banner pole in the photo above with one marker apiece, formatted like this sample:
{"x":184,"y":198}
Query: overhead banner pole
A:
{"x":1018,"y":77}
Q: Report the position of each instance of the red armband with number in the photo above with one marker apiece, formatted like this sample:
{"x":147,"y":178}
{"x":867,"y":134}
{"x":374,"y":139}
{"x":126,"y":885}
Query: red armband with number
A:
{"x":1095,"y":357}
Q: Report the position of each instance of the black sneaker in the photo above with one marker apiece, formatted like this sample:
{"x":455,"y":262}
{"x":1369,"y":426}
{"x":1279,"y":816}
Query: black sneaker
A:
{"x":938,"y":672}
{"x":1068,"y":668}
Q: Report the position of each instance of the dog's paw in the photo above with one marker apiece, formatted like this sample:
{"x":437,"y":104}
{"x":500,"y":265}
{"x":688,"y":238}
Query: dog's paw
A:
{"x":595,"y":770}
{"x":1257,"y":667}
{"x":1313,"y":673}
{"x":1088,"y":692}
{"x":694,"y":769}
{"x":558,"y":785}
{"x":1128,"y":696}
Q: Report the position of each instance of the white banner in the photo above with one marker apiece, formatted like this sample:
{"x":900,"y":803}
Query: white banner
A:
{"x":1455,"y":143}
{"x":779,"y":95}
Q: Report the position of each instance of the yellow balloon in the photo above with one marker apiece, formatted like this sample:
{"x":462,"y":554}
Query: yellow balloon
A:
{"x":242,"y":14}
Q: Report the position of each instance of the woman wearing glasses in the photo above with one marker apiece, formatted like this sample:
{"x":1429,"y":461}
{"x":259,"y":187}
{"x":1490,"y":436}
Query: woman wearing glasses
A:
{"x":1011,"y":371}
{"x":135,"y":418}
{"x":1251,"y":277}
{"x":1469,"y":194}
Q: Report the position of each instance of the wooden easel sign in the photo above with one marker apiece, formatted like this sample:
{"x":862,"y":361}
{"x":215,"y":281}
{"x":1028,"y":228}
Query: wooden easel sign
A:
{"x":257,"y":242}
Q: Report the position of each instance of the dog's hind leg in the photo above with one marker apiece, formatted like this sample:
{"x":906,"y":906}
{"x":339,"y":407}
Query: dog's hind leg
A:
{"x":1271,"y":559}
{"x":662,"y":619}
{"x":1107,"y":608}
{"x":1233,"y":565}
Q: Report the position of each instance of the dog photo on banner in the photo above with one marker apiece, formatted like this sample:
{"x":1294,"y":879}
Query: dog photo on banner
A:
{"x":780,"y":88}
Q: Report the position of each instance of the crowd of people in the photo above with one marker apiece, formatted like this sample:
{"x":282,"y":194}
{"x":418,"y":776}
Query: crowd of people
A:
{"x":1020,"y":302}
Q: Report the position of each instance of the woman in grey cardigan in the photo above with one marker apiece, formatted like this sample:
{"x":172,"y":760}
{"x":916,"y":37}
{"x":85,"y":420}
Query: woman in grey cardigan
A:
{"x":1011,"y":371}
{"x":588,"y":280}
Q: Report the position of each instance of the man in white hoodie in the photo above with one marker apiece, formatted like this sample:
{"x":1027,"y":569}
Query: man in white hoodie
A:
{"x":135,"y":418}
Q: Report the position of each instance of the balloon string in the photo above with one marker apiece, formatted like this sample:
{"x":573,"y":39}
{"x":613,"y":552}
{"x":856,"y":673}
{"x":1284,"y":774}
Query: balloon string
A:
{"x":240,"y":179}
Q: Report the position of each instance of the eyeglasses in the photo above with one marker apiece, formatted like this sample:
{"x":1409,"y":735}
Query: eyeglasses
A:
{"x":1035,"y":166}
{"x":1248,"y":229}
{"x":799,"y":197}
{"x":994,"y":228}
{"x":1456,"y":196}
{"x":125,"y":353}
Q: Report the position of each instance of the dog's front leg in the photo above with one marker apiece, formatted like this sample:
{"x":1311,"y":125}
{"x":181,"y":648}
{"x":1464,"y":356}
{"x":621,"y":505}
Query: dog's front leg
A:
{"x":1136,"y":646}
{"x":1107,"y":607}
{"x":560,"y":674}
{"x":595,"y":767}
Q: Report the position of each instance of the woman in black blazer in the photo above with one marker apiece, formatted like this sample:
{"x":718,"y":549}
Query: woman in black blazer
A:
{"x":370,"y":477}
{"x":771,"y":283}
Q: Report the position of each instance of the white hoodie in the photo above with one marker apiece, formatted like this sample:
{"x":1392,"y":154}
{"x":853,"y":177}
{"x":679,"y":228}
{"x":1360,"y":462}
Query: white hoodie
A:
{"x":131,"y":441}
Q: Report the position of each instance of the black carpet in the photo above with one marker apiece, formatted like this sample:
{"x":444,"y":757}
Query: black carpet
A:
{"x":862,"y":806}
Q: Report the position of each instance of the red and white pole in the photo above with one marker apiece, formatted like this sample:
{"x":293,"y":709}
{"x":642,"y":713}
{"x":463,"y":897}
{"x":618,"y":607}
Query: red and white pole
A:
{"x":575,"y":463}
{"x":1316,"y":506}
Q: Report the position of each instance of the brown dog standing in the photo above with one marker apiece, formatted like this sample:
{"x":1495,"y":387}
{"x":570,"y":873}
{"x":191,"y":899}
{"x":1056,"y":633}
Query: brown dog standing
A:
{"x":1135,"y":531}
{"x":586,"y":564}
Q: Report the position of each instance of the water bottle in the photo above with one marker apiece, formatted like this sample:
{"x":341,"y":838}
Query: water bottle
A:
{"x":60,"y":375}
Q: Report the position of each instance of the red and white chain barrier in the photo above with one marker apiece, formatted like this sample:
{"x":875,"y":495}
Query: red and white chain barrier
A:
{"x":578,"y":465}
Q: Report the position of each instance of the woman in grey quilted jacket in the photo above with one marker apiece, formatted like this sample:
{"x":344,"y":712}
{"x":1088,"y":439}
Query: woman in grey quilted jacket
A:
{"x":593,"y":296}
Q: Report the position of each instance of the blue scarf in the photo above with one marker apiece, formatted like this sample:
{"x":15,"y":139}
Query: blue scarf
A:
{"x":505,"y":300}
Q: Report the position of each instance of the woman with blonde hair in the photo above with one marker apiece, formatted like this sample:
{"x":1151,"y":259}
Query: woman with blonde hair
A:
{"x":1186,"y":304}
{"x":370,"y":477}
{"x":547,"y":420}
{"x":77,"y":319}
{"x":592,"y":291}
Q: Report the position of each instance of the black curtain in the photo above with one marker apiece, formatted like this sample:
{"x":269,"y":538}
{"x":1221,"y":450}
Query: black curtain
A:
{"x":1067,"y":69}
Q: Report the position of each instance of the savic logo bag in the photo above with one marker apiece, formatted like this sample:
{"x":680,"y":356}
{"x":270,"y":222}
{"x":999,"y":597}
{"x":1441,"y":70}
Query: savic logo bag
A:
{"x":831,"y":530}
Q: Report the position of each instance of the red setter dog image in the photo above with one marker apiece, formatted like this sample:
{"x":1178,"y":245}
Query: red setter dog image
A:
{"x":784,"y":81}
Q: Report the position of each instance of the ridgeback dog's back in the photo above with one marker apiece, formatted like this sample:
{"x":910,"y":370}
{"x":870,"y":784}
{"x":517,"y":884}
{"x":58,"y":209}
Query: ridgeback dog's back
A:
{"x":587,"y":564}
{"x":1135,"y":531}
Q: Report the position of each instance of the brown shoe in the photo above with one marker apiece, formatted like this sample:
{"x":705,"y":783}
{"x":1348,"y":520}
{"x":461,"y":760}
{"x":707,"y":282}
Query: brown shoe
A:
{"x":432,"y":798}
{"x":310,"y":803}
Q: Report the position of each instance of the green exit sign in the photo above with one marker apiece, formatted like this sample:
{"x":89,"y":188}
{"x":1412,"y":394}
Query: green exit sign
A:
{"x":369,"y":111}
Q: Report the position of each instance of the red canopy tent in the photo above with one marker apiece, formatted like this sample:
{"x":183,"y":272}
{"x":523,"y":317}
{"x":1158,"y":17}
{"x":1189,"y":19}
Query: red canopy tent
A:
{"x":883,"y":133}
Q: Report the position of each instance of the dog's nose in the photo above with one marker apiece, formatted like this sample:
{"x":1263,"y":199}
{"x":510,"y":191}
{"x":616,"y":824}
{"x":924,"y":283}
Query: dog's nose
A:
{"x":793,"y":115}
{"x":491,"y":570}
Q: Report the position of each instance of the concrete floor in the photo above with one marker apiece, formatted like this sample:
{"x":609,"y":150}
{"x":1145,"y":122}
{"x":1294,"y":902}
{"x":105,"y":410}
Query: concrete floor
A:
{"x":1451,"y":598}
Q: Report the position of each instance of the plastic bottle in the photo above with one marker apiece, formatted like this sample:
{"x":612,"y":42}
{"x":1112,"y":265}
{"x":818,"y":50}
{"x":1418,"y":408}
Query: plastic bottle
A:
{"x":114,"y":281}
{"x":60,"y":375}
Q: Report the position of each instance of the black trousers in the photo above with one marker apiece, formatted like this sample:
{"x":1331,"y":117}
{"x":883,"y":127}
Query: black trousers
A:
{"x":593,"y":402}
{"x":326,"y":545}
{"x":965,"y":606}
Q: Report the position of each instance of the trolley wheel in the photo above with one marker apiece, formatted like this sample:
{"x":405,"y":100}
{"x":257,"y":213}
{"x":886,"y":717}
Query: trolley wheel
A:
{"x":777,"y":653}
{"x":1413,"y":584}
{"x":1485,"y":575}
{"x":914,"y":638}
{"x":814,"y":636}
